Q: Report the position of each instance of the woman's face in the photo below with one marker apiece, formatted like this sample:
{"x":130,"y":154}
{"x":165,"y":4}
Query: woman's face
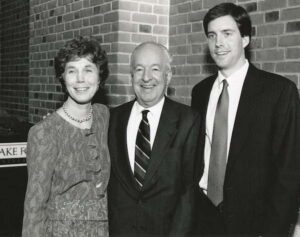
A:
{"x":81,"y":78}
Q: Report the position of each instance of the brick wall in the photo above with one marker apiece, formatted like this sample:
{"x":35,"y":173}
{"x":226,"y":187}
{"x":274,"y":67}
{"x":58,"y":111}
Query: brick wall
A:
{"x":120,"y":25}
{"x":139,"y":21}
{"x":52,"y":23}
{"x":275,"y":46}
{"x":14,"y":63}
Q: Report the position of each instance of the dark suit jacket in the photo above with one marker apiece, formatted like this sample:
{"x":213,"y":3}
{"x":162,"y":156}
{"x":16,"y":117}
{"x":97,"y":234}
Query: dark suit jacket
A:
{"x":164,"y":205}
{"x":263,"y":170}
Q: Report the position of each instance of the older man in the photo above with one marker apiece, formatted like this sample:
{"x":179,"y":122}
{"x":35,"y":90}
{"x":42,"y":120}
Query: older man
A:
{"x":153,"y":142}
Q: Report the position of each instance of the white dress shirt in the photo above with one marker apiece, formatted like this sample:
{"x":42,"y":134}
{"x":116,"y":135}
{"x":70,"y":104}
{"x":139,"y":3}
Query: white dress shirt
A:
{"x":134,"y":123}
{"x":235,"y":84}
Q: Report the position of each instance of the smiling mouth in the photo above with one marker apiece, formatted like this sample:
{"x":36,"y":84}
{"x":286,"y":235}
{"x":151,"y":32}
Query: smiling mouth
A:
{"x":81,"y":89}
{"x":147,"y":86}
{"x":221,"y":53}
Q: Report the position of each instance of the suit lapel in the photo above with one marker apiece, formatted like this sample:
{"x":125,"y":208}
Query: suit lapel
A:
{"x":166,"y":131}
{"x":244,"y":117}
{"x":205,"y":94}
{"x":122,"y":165}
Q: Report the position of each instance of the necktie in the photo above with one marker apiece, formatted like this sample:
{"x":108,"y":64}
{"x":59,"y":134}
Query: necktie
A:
{"x":217,"y":164}
{"x":142,"y":150}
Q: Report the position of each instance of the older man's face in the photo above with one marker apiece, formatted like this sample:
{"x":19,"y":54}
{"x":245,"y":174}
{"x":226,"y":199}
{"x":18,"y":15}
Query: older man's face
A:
{"x":150,"y":75}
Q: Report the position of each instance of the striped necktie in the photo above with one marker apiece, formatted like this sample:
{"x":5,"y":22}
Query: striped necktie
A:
{"x":142,"y":150}
{"x":218,"y":156}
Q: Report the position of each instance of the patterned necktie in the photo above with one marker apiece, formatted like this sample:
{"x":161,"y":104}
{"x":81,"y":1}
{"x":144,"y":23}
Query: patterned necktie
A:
{"x":142,"y":150}
{"x":217,"y":163}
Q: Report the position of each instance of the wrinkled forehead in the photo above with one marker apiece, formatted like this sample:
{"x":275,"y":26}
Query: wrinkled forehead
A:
{"x":149,"y":55}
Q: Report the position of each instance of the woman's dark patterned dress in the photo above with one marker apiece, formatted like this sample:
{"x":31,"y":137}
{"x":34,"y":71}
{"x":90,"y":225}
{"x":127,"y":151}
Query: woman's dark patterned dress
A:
{"x":68,"y":172}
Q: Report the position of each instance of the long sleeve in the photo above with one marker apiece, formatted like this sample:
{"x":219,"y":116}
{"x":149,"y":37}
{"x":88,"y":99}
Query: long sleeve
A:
{"x":283,"y":207}
{"x":41,"y":153}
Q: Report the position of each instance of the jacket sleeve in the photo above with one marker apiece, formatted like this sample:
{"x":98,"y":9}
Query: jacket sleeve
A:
{"x":182,"y":220}
{"x":41,"y":151}
{"x":284,"y":200}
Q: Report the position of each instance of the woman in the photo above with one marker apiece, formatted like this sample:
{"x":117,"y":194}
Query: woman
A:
{"x":67,"y":155}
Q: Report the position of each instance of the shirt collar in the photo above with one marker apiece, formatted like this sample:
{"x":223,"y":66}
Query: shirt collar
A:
{"x":237,"y":75}
{"x":155,"y":109}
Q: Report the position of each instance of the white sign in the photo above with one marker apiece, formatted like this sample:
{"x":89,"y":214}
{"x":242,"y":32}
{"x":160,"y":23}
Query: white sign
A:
{"x":13,"y":154}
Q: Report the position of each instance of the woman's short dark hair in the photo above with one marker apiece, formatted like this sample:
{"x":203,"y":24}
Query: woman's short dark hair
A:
{"x":82,"y":47}
{"x":238,"y":13}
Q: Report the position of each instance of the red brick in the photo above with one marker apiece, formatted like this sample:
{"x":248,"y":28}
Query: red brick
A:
{"x":210,"y":3}
{"x":293,"y":26}
{"x":144,"y":18}
{"x":76,"y":5}
{"x":175,"y":20}
{"x":181,"y":50}
{"x":270,"y":55}
{"x":267,"y":5}
{"x":293,"y":53}
{"x":105,"y":28}
{"x":178,"y":40}
{"x":288,"y":67}
{"x":125,"y":5}
{"x":161,"y":10}
{"x":270,"y":29}
{"x":269,"y":42}
{"x":182,"y":91}
{"x":184,"y":8}
{"x":289,"y":40}
{"x":145,"y":28}
{"x":124,"y":37}
{"x":192,"y":70}
{"x":164,"y":2}
{"x":86,"y":31}
{"x":257,"y":18}
{"x":163,"y":20}
{"x":196,"y":16}
{"x":119,"y":79}
{"x":110,"y":17}
{"x":250,"y":7}
{"x":124,"y":26}
{"x":123,"y":47}
{"x":272,"y":16}
{"x":197,"y":27}
{"x":146,"y":8}
{"x":197,"y":5}
{"x":290,"y":13}
{"x":184,"y":29}
{"x":294,"y":2}
{"x":138,"y":38}
{"x":197,"y":38}
{"x":121,"y":89}
{"x":112,"y":37}
{"x":256,"y":43}
{"x":124,"y":16}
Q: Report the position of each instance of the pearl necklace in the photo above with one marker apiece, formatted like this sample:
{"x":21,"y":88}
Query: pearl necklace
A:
{"x":87,"y":118}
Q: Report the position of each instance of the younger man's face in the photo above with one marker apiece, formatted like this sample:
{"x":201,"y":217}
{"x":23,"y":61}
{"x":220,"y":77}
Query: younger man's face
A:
{"x":226,"y":45}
